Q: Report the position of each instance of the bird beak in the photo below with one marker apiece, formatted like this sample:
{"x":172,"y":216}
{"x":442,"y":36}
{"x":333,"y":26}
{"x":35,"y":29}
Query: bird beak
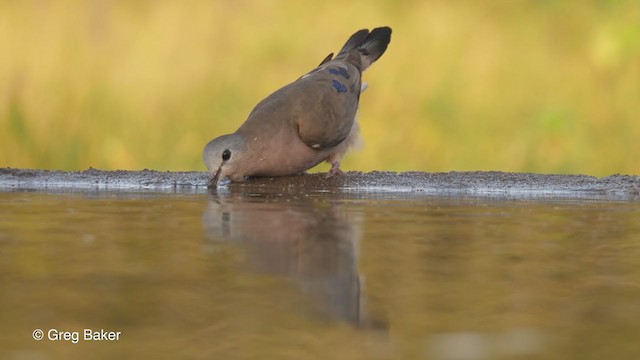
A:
{"x":213,"y":178}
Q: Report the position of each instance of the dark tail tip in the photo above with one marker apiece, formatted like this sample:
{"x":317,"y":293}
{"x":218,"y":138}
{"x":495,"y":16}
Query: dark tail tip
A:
{"x":370,"y":45}
{"x":375,"y":45}
{"x":354,"y":41}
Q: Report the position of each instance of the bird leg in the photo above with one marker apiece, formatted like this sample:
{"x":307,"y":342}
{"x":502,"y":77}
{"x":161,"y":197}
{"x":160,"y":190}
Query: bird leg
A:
{"x":335,"y":170}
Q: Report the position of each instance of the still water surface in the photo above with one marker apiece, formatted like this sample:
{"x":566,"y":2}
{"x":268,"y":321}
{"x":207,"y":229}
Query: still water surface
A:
{"x":318,"y":276}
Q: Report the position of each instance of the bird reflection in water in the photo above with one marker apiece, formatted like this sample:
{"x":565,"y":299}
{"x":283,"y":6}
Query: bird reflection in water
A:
{"x":312,"y":242}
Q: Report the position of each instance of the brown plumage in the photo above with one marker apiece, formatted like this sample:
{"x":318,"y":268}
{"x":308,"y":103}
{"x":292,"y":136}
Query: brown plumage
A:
{"x":304,"y":123}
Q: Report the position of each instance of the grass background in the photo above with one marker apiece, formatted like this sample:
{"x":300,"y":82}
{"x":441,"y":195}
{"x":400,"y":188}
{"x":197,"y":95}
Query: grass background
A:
{"x":542,"y":86}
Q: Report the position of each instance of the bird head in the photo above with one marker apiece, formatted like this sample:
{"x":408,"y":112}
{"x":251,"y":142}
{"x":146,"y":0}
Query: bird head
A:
{"x":223,"y":157}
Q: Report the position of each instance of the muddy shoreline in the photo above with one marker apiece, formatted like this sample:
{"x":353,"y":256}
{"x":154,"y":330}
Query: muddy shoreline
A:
{"x":475,"y":183}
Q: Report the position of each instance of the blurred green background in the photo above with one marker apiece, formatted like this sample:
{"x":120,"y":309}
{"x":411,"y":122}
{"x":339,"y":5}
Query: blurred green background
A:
{"x":542,"y":86}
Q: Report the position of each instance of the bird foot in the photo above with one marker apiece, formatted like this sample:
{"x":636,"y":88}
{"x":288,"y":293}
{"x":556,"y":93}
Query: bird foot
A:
{"x":335,"y":170}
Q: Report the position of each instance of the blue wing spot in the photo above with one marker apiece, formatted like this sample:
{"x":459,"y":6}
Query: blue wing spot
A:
{"x":339,"y":86}
{"x":340,"y":71}
{"x":344,"y":73}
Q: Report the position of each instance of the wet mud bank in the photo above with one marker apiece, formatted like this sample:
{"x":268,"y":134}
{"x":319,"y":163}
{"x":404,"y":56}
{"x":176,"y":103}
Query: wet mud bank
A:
{"x":491,"y":183}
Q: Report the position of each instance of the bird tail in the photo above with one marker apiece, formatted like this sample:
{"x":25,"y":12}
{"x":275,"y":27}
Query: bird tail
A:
{"x":369,"y":45}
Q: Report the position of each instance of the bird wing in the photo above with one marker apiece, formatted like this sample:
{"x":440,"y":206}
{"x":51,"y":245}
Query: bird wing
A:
{"x":322,"y":105}
{"x":327,"y":101}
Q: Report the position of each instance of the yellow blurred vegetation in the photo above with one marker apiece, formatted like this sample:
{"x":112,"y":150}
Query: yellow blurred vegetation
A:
{"x":542,"y":86}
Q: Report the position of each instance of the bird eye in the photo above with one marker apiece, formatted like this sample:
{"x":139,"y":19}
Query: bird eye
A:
{"x":226,"y":155}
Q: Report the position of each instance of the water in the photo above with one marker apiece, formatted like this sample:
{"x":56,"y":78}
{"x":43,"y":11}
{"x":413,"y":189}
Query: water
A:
{"x":318,"y":276}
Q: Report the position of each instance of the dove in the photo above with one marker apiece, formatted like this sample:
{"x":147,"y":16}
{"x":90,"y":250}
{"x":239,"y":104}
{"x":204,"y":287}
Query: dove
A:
{"x":307,"y":242}
{"x":303,"y":123}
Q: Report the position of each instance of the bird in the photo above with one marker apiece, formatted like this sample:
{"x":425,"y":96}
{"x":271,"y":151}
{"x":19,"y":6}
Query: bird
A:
{"x":303,"y":123}
{"x":313,"y":245}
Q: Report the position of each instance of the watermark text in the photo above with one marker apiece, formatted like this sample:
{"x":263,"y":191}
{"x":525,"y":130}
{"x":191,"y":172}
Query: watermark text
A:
{"x":75,"y":337}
